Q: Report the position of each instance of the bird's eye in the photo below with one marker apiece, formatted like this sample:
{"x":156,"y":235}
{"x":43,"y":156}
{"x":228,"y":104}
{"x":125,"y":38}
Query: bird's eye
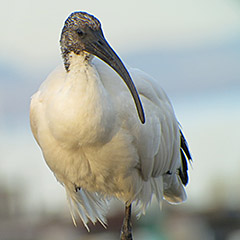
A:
{"x":80,"y":32}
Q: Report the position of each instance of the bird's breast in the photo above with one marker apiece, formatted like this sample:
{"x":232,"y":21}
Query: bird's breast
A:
{"x":81,"y":111}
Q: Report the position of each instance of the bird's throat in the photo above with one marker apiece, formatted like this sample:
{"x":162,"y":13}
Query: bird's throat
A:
{"x":71,"y":59}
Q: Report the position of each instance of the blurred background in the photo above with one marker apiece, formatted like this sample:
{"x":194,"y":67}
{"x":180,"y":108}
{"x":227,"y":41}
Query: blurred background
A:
{"x":192,"y":48}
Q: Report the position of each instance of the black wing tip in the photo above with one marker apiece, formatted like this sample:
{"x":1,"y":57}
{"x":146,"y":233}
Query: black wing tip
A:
{"x":185,"y":155}
{"x":183,"y":170}
{"x":184,"y":146}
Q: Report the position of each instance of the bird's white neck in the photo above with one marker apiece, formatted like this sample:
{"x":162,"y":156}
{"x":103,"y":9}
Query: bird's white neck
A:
{"x":77,"y":62}
{"x":83,"y":104}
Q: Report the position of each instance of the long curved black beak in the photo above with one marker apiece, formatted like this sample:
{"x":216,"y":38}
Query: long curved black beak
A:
{"x":99,"y":47}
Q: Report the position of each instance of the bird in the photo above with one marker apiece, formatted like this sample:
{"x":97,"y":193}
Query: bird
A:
{"x":107,"y":130}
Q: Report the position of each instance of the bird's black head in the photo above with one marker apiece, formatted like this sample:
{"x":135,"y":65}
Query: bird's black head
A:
{"x":79,"y":30}
{"x":82,"y":34}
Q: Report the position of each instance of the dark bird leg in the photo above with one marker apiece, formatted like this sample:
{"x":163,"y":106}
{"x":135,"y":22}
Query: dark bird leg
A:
{"x":126,"y":231}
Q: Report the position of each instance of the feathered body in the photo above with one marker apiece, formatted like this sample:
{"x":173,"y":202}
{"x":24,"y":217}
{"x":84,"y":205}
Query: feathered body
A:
{"x":87,"y":126}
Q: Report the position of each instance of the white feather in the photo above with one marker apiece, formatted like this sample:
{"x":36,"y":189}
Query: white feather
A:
{"x":87,"y":126}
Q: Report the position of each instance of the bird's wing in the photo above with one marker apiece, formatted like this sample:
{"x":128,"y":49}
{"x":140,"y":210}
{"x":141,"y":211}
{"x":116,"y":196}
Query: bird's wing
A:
{"x":158,"y":141}
{"x":170,"y":159}
{"x":37,"y":101}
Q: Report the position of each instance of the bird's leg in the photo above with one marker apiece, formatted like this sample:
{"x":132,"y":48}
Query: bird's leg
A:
{"x":126,"y":231}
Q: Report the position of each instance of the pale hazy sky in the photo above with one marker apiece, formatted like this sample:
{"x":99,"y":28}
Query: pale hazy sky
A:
{"x":30,"y":29}
{"x":29,"y":39}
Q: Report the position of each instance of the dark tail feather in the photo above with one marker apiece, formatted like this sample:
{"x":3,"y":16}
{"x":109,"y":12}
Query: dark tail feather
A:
{"x":185,"y":155}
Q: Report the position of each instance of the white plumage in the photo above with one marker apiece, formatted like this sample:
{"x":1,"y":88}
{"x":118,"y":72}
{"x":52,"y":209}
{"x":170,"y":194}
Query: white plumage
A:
{"x":87,"y":126}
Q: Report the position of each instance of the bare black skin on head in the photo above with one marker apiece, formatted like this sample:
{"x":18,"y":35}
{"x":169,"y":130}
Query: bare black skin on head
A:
{"x":78,"y":31}
{"x":82,"y":33}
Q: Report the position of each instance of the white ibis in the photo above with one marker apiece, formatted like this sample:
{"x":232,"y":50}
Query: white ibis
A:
{"x":87,"y":125}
